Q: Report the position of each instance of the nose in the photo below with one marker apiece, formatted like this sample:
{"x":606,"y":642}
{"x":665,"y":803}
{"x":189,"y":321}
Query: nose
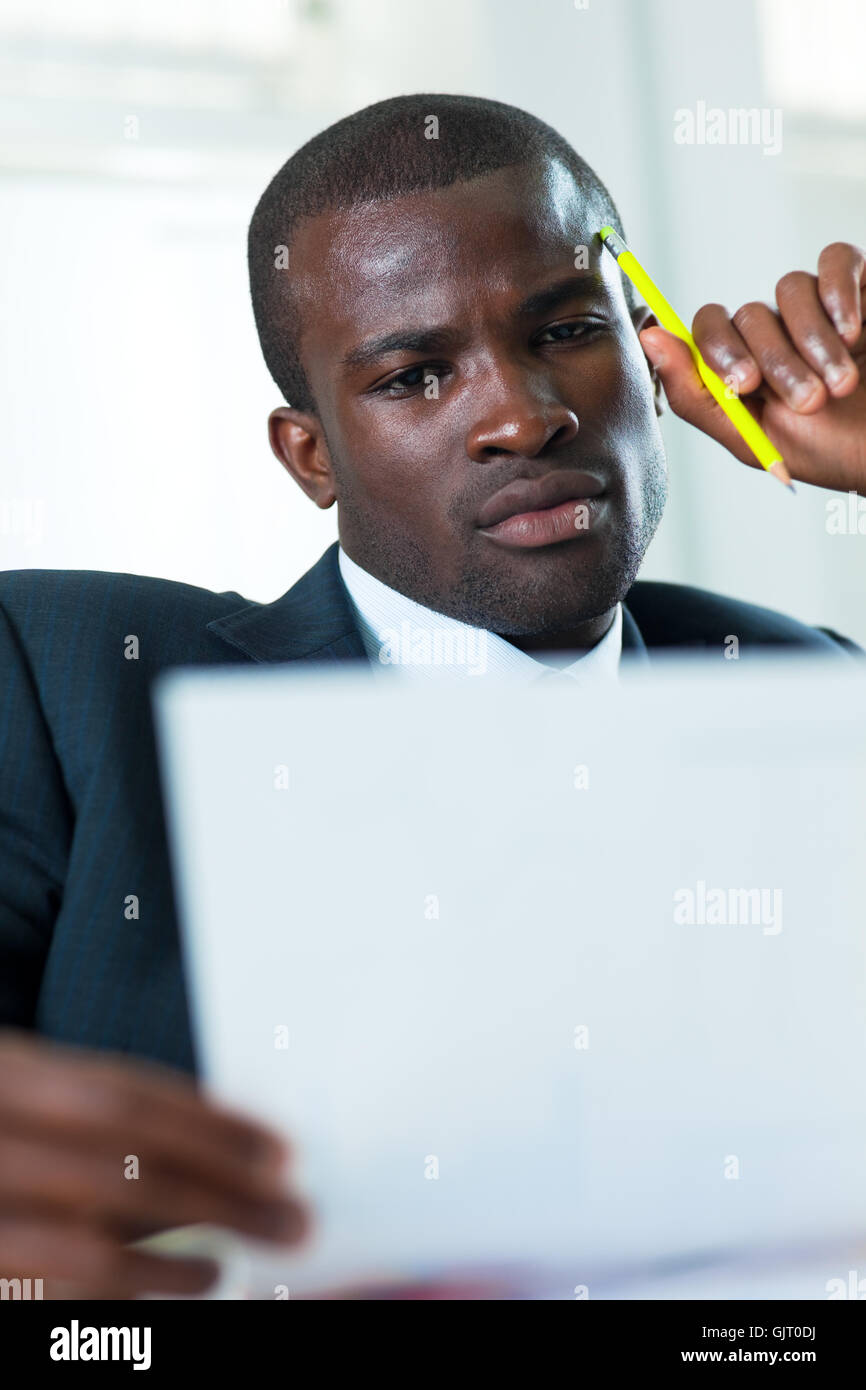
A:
{"x":518,"y":415}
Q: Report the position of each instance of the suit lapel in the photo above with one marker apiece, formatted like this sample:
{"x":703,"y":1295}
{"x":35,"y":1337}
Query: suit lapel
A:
{"x":314,"y":620}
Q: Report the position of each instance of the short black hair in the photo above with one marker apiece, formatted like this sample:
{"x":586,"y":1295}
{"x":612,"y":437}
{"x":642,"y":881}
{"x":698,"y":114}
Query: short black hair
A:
{"x":385,"y":151}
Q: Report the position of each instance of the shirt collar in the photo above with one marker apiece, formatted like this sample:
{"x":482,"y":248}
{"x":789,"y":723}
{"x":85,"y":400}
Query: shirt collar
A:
{"x":398,"y":632}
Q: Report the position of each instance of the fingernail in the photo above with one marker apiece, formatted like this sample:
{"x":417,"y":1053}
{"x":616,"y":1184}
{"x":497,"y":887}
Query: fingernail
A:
{"x":834,"y":375}
{"x":846,"y":327}
{"x":802,"y":394}
{"x":654,"y":352}
{"x":742,"y":371}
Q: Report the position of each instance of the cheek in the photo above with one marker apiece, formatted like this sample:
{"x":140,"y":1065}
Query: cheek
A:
{"x":408,"y":441}
{"x":398,"y":457}
{"x":626,"y":396}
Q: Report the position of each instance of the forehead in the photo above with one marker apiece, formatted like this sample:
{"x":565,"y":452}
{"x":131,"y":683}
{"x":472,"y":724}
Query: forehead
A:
{"x":353,"y":266}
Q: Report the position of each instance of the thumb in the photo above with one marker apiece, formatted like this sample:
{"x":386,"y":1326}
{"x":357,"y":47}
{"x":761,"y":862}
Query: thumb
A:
{"x":686,"y":394}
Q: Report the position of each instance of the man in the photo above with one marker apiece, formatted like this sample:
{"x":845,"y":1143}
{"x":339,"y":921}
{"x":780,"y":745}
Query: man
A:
{"x":479,"y":403}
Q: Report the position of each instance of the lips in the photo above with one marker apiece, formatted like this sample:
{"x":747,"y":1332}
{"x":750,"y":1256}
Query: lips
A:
{"x":538,"y":494}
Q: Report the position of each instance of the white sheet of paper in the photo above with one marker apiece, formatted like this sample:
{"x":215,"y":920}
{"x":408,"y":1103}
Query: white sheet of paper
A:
{"x":432,"y":935}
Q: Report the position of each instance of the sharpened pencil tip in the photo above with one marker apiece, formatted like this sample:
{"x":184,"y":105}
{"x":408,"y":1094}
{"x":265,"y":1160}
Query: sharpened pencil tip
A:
{"x":779,"y":471}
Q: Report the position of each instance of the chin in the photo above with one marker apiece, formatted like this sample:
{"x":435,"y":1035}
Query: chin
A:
{"x":557,"y":595}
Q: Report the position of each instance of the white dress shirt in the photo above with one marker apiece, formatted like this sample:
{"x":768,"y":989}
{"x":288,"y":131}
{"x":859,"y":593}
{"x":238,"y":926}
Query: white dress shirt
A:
{"x":400,"y":634}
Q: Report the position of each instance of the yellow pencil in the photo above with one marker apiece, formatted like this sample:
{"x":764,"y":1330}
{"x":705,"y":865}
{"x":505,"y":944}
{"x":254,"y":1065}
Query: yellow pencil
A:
{"x":760,"y":444}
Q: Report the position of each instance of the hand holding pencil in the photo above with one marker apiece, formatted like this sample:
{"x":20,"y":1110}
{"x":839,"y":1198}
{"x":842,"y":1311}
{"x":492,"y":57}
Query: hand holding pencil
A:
{"x":799,"y":368}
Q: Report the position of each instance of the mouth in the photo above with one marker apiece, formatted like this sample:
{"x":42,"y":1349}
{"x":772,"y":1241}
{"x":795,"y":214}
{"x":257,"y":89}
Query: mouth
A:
{"x":562,"y":506}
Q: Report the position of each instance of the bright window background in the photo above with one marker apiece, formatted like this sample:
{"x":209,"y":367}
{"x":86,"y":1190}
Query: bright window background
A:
{"x":135,"y":140}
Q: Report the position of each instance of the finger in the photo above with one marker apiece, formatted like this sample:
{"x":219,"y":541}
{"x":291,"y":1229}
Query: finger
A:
{"x":841,"y":287}
{"x":134,"y":1106}
{"x":38,"y":1177}
{"x":191,"y":1278}
{"x":723,"y":348}
{"x":136,"y":1272}
{"x":40,"y":1246}
{"x":812,"y":333}
{"x":74,"y":1259}
{"x":782,"y":367}
{"x":687,"y":395}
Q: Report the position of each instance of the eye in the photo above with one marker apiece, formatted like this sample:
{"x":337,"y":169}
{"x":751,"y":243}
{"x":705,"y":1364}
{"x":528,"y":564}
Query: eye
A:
{"x":411,"y":380}
{"x":571,"y":331}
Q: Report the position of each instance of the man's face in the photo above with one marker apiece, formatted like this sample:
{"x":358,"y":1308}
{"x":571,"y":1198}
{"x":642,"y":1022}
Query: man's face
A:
{"x":453,"y":350}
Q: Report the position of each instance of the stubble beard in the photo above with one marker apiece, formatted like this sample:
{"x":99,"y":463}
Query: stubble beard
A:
{"x":498,"y":600}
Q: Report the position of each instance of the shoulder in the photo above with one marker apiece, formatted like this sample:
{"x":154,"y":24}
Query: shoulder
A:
{"x":82,"y":648}
{"x":677,"y":615}
{"x":35,"y":599}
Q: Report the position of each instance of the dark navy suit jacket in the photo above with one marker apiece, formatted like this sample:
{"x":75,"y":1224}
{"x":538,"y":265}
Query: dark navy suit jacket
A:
{"x":81,"y":819}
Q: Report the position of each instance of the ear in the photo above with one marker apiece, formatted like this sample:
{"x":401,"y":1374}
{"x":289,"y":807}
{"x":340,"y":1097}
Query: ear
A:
{"x":298,"y":440}
{"x":642,"y":318}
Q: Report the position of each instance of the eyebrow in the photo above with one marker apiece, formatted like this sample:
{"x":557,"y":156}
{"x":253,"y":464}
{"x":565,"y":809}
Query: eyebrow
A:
{"x":573,"y":287}
{"x":403,"y":340}
{"x":440,"y":339}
